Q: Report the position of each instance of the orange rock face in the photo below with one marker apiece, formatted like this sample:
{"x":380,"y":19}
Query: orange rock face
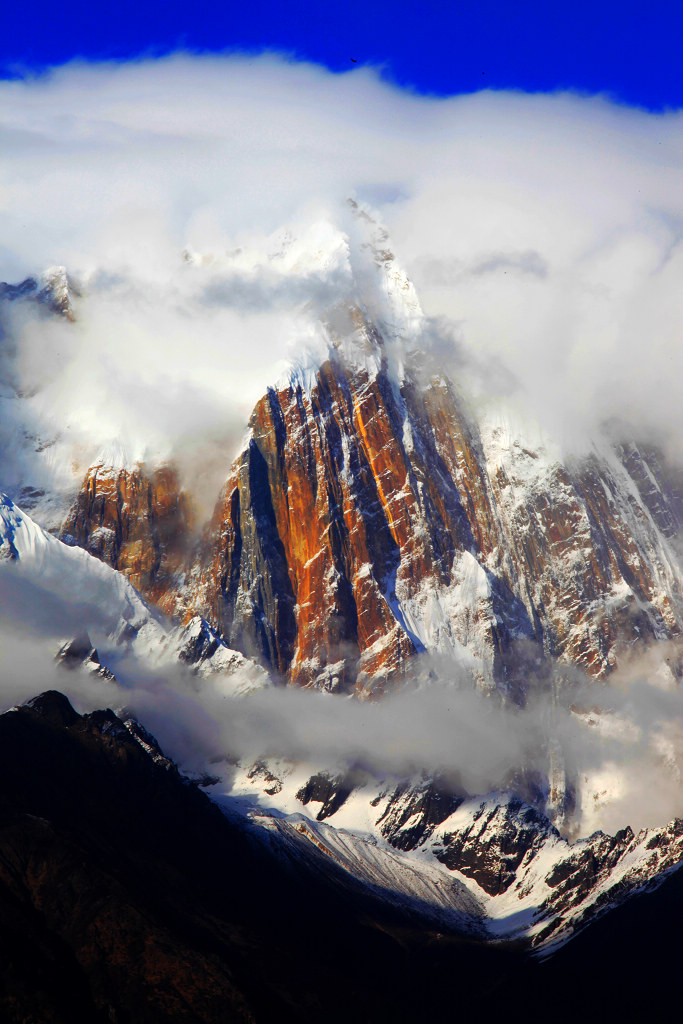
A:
{"x":344,"y":528}
{"x":307,"y":535}
{"x":368,"y":520}
{"x":137,"y":523}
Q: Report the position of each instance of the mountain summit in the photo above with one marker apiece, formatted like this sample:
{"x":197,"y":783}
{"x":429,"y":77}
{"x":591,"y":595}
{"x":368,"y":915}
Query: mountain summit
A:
{"x":372,"y":514}
{"x":378,"y":537}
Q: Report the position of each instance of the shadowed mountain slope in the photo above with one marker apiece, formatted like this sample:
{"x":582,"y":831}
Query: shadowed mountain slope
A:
{"x":128,"y":897}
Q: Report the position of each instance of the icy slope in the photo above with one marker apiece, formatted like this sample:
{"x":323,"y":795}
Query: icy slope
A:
{"x":67,"y":581}
{"x":494,"y":865}
{"x":71,"y":575}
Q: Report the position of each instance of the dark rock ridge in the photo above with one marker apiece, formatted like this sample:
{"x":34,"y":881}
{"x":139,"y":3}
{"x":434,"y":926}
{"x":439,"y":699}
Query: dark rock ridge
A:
{"x":331,"y":792}
{"x":198,"y":645}
{"x":412,"y":812}
{"x":79,"y":652}
{"x":492,"y":848}
{"x":126,"y":896}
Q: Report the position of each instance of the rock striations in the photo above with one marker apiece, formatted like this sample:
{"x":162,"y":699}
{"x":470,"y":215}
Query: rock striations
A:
{"x":373,"y":516}
{"x":370,"y":516}
{"x":136,"y":522}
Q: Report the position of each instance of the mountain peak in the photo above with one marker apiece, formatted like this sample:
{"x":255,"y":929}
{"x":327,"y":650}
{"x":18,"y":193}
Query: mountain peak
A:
{"x":54,"y":707}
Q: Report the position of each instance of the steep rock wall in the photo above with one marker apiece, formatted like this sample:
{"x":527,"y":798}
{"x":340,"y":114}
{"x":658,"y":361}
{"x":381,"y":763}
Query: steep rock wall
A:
{"x":370,"y":518}
{"x":135,"y":521}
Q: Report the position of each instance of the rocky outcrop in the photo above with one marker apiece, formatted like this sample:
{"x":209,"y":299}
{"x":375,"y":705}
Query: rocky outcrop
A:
{"x":491,"y":848}
{"x":599,"y":574}
{"x":659,"y":484}
{"x":201,"y":649}
{"x":330,"y":791}
{"x":79,"y":652}
{"x":135,"y":521}
{"x":518,"y":859}
{"x":413,"y":812}
{"x":372,"y":516}
{"x":53,"y":289}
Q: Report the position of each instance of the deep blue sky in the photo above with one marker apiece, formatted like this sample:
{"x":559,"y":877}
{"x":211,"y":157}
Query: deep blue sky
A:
{"x":630,"y":49}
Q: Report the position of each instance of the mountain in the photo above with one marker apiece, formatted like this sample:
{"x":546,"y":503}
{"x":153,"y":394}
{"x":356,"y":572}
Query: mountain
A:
{"x":371,"y":516}
{"x":369,"y":519}
{"x":128,"y":896}
{"x":378,"y":534}
{"x":136,"y":523}
{"x":53,"y":289}
{"x":54,"y":585}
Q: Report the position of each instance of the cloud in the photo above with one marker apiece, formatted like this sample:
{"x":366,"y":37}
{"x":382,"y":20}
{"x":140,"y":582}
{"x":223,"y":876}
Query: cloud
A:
{"x":200,"y":204}
{"x":621,"y":746}
{"x":441,"y":273}
{"x":544,"y":230}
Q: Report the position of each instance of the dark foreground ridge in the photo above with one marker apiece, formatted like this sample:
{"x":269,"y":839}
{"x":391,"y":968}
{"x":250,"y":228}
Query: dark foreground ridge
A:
{"x":127,"y":897}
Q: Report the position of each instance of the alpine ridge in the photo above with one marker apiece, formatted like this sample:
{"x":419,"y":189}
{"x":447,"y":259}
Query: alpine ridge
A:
{"x":136,"y":523}
{"x":377,"y":533}
{"x":372,"y":515}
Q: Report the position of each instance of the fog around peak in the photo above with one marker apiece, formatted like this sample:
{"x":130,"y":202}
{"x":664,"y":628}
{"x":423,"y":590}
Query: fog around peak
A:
{"x":201,"y":204}
{"x":621,"y":745}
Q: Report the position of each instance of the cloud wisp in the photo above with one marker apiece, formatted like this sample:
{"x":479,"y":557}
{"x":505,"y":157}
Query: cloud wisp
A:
{"x":544,"y":232}
{"x":620,"y":746}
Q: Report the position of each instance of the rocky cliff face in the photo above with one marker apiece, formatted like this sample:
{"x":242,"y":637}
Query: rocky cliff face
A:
{"x":370,"y":517}
{"x":337,"y":517}
{"x":135,"y":521}
{"x":367,"y":521}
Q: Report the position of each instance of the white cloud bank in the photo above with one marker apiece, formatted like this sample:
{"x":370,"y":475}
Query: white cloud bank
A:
{"x":621,"y":745}
{"x":543,"y":232}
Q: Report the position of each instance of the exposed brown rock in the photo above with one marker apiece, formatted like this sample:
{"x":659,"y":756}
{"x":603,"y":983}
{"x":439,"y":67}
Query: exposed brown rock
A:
{"x":366,"y":520}
{"x":137,"y":522}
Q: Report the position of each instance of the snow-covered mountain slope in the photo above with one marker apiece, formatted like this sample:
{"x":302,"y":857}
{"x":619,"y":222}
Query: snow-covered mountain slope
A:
{"x":491,"y":865}
{"x":71,"y":575}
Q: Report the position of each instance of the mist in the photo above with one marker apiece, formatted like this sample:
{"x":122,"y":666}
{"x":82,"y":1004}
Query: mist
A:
{"x":199,"y":205}
{"x":620,"y":746}
{"x":543,"y":234}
